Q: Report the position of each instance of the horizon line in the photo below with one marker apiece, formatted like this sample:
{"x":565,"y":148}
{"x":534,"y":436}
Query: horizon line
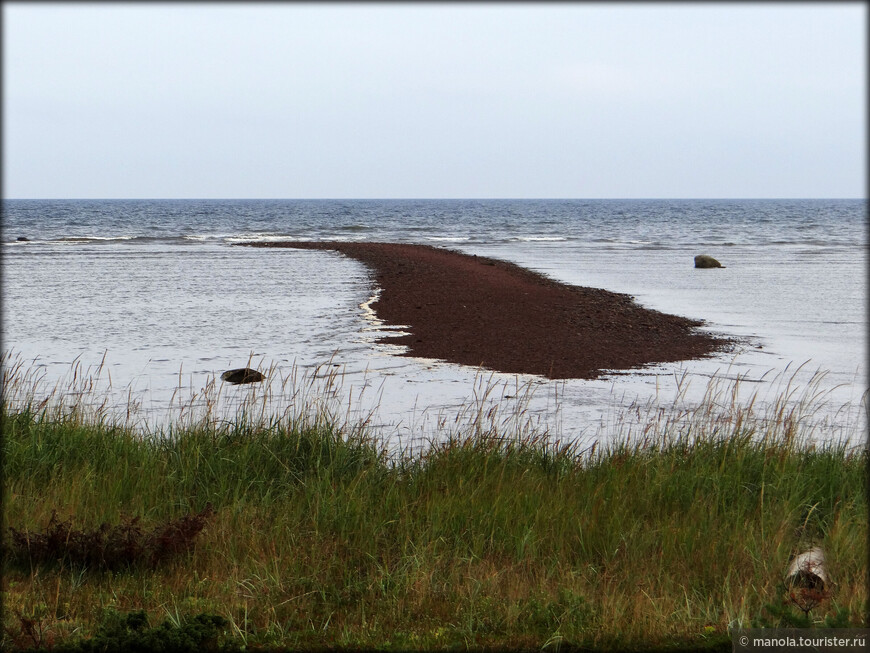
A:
{"x":382,"y":199}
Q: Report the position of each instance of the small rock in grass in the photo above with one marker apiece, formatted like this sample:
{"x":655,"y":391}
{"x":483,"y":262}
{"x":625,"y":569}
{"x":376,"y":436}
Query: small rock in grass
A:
{"x":808,"y":570}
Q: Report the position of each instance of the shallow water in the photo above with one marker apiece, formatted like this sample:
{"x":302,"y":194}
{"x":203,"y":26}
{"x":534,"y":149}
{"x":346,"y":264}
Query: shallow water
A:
{"x":160,"y":288}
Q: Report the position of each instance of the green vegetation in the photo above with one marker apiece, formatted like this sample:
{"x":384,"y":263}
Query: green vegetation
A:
{"x":313,"y":535}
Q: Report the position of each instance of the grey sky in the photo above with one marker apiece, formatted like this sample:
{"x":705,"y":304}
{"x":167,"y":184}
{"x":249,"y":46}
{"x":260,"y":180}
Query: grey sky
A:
{"x":434,"y":100}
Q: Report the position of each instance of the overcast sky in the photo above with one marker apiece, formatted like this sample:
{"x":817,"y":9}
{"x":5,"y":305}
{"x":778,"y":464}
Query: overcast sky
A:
{"x":434,"y":100}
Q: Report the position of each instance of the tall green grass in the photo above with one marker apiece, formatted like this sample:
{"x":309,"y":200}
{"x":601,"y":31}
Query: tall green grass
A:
{"x":677,"y":527}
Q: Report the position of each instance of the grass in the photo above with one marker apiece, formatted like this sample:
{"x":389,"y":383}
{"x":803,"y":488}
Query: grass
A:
{"x":676,"y":529}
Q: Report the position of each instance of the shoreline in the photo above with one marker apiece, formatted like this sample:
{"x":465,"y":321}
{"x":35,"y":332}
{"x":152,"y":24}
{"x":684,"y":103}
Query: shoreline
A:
{"x":438,"y":543}
{"x":483,"y":312}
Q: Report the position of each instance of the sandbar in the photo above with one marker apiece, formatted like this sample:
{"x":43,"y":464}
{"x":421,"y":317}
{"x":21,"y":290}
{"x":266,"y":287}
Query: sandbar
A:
{"x":488,"y":313}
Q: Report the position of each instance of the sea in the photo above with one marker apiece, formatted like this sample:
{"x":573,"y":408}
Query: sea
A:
{"x":135,"y":308}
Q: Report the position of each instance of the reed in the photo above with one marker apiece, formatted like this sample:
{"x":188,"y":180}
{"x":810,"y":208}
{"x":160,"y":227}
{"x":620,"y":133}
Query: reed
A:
{"x":675,"y":529}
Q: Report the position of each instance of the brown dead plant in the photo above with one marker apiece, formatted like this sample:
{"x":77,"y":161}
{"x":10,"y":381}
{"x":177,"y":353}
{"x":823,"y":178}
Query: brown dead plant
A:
{"x":107,"y":547}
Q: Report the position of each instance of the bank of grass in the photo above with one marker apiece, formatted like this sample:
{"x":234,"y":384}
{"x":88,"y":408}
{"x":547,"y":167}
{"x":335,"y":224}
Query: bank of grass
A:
{"x":668,"y":536}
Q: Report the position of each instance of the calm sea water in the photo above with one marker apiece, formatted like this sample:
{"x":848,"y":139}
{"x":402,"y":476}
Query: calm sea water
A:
{"x":158,"y":288}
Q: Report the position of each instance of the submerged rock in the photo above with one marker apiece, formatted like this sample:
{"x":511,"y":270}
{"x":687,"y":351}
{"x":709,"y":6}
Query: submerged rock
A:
{"x":704,"y":261}
{"x":242,"y":375}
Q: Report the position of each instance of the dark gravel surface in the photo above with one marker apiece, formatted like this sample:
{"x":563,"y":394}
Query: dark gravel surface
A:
{"x":485,"y":312}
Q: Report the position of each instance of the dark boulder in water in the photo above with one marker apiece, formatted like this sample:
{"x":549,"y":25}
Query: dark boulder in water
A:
{"x":704,"y":261}
{"x":242,"y":375}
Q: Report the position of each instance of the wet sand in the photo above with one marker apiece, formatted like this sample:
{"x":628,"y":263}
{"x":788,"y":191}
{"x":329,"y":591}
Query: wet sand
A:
{"x":484,"y":312}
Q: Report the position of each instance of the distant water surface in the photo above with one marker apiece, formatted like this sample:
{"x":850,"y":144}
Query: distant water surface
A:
{"x":158,"y":287}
